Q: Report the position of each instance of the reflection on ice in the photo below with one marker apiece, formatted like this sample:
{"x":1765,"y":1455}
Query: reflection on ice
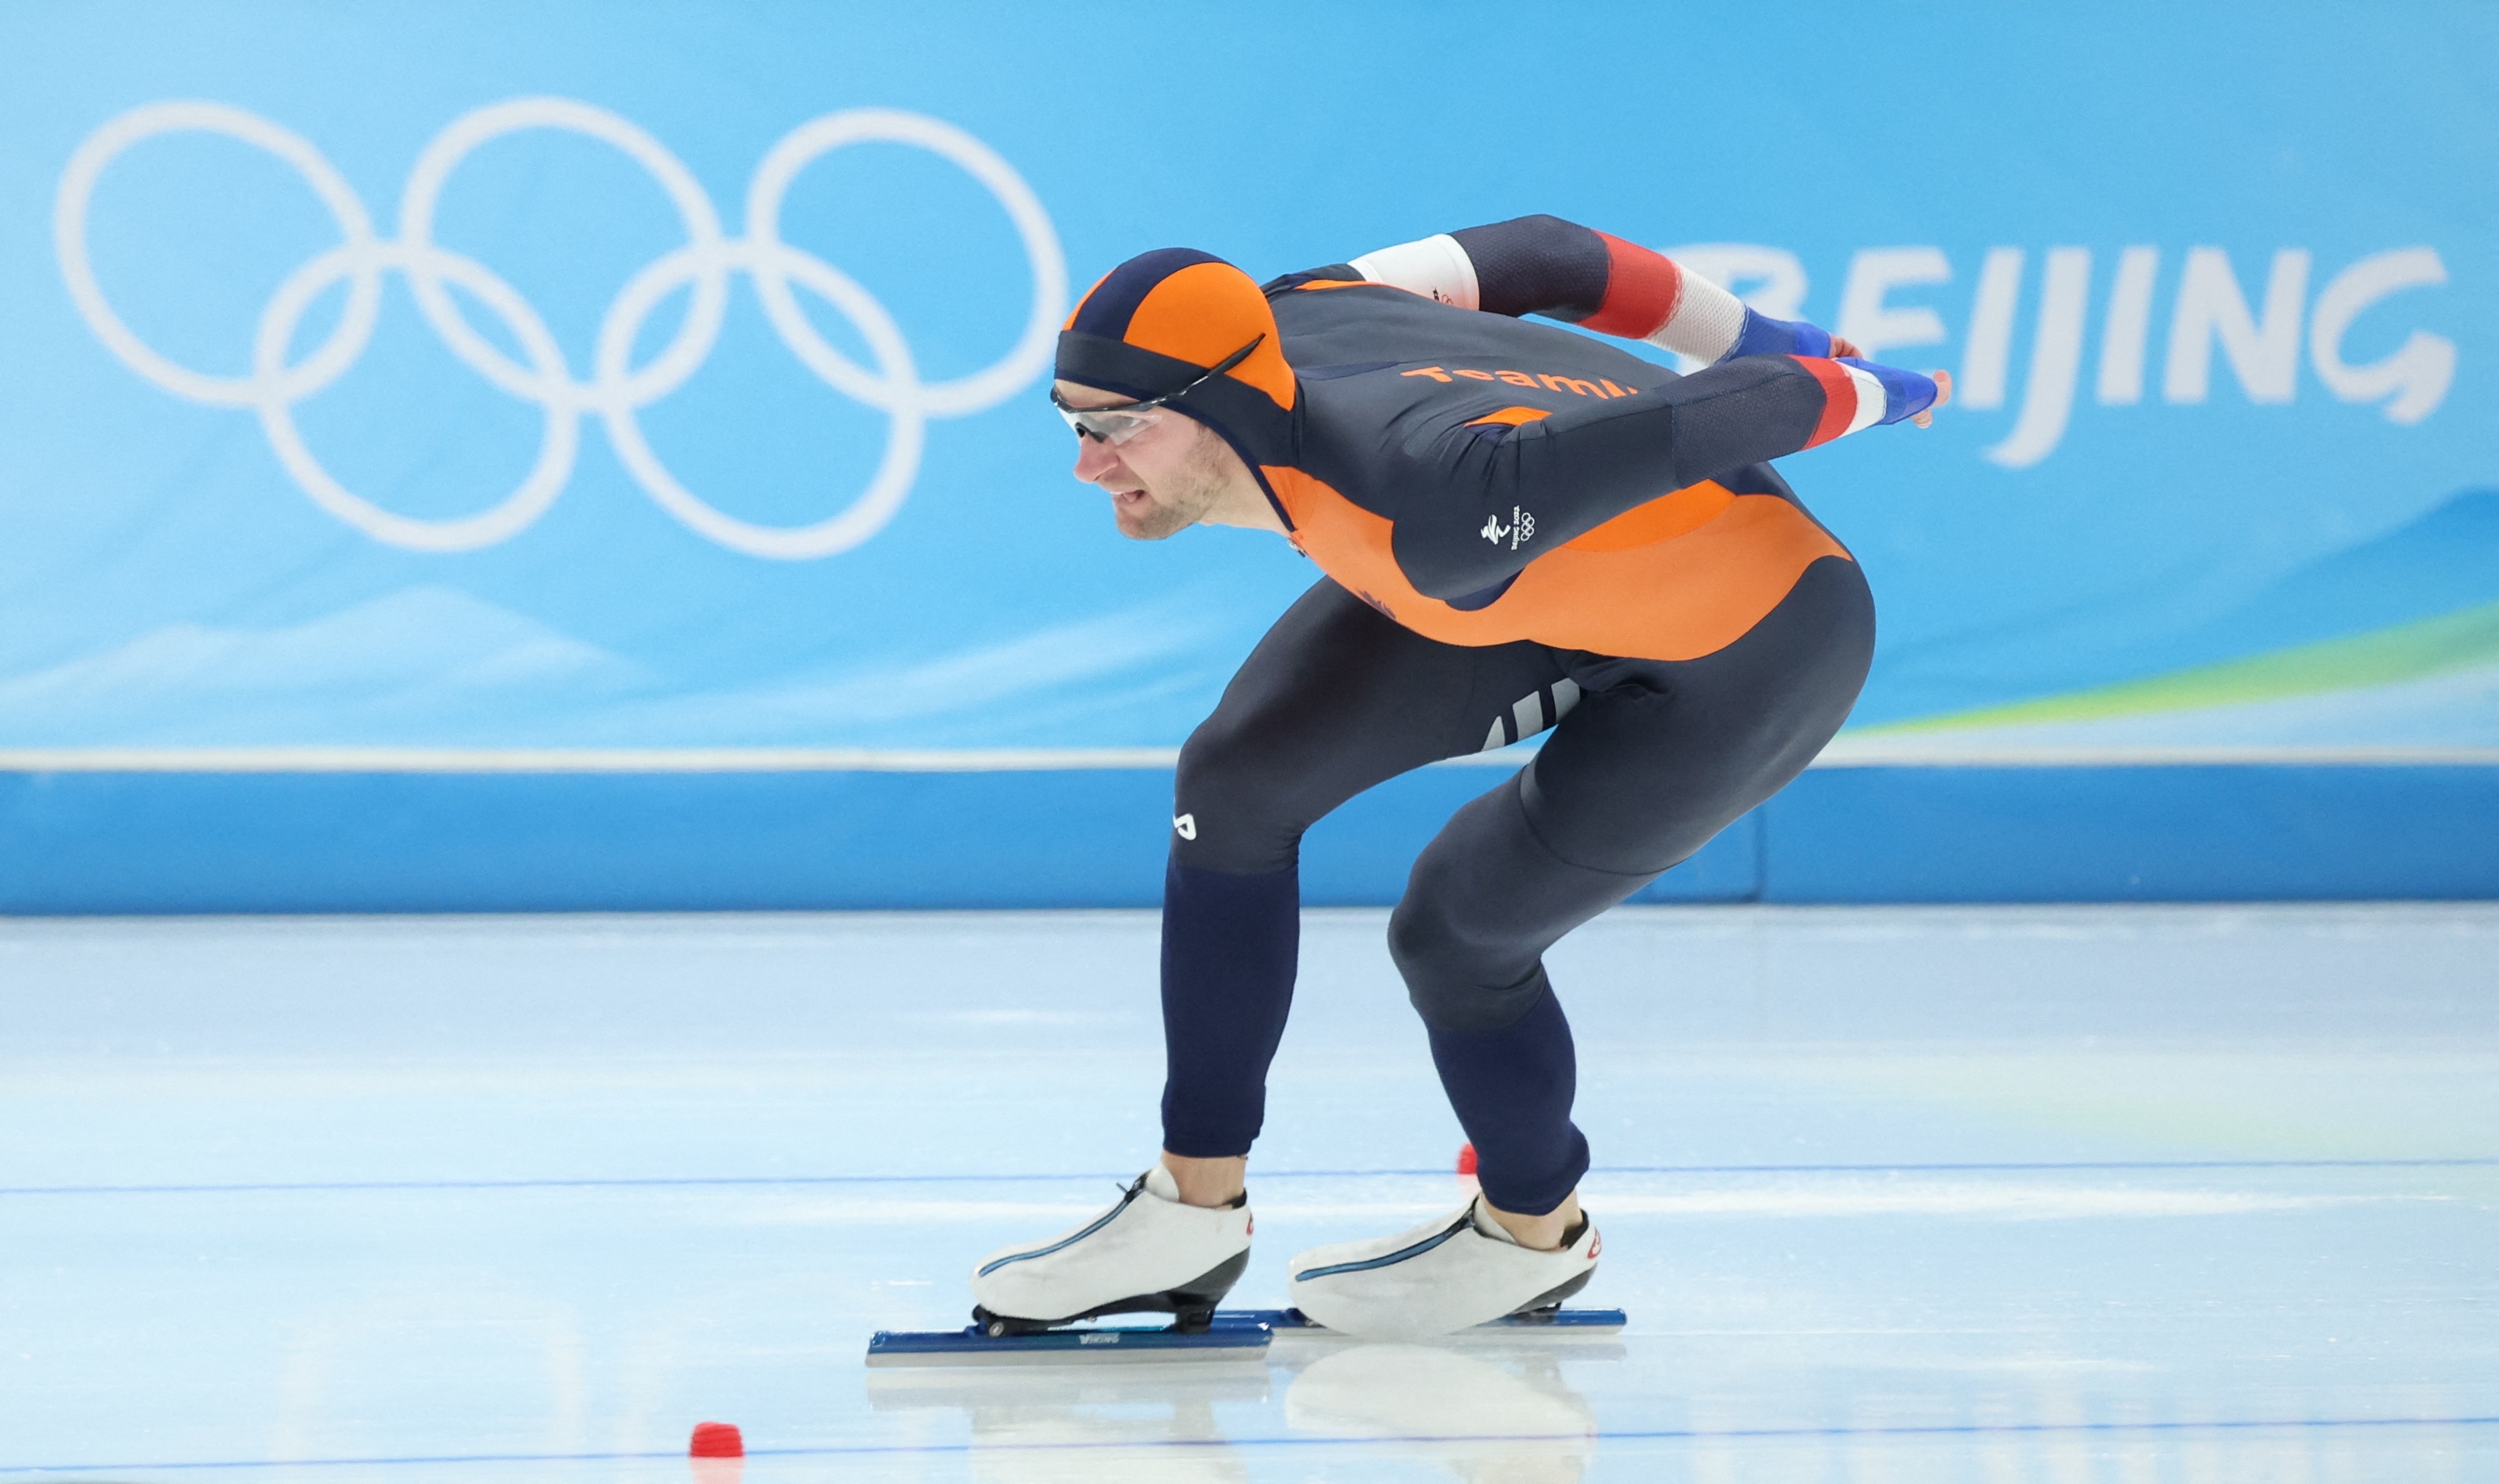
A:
{"x":1489,"y":1419}
{"x":1130,"y":1421}
{"x":1489,"y":1414}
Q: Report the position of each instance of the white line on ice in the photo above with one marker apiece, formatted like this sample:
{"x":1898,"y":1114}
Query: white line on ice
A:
{"x":1979,"y":1200}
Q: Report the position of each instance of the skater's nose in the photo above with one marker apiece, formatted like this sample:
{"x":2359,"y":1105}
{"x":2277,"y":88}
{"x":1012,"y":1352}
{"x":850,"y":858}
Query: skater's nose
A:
{"x":1096,"y":460}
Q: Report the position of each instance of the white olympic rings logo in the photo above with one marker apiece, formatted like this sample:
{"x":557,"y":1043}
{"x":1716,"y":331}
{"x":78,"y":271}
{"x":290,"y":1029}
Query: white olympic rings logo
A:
{"x":616,"y":389}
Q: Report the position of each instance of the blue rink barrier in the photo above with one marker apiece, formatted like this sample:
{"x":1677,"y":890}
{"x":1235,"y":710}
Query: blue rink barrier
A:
{"x":171,"y":842}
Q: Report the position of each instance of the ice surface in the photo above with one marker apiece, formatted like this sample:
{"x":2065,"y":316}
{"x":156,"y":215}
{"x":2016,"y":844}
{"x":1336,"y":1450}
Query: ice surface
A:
{"x":1920,"y":1195}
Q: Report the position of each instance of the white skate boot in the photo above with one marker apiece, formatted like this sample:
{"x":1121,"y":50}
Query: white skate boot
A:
{"x":1438,"y":1278}
{"x":1147,"y":1254}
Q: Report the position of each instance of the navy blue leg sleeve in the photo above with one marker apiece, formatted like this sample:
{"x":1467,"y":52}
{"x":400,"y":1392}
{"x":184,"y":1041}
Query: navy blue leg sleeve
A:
{"x":1656,"y":758}
{"x":1512,"y":1089}
{"x":1230,"y":945}
{"x":1336,"y":698}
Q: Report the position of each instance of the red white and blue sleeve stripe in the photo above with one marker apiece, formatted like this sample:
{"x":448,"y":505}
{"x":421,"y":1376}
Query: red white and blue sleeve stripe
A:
{"x":1543,"y":264}
{"x":1858,"y":393}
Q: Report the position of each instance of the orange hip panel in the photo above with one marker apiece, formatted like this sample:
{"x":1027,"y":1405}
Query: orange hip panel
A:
{"x":1682,"y":576}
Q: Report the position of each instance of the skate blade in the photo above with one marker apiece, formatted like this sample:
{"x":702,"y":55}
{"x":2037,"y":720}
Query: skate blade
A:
{"x":1566,"y":1323}
{"x":1231,"y":1338}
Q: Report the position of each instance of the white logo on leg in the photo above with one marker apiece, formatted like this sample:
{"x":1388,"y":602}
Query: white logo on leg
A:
{"x":1187,"y":824}
{"x":1520,"y":530}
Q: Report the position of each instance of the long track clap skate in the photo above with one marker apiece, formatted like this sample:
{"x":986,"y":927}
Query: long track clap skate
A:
{"x":1149,"y":1254}
{"x":1152,"y":1254}
{"x":1443,"y":1276}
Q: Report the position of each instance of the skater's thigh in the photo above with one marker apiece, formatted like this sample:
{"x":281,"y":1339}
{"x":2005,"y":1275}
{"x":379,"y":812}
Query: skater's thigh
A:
{"x":1337,"y":698}
{"x":1661,"y":756}
{"x":1656,"y":758}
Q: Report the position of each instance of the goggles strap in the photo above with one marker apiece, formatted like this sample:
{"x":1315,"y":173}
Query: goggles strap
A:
{"x":1072,"y":414}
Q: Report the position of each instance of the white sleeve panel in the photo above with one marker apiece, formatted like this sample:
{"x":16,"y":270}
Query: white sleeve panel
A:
{"x":1871,"y":403}
{"x":1436,"y":268}
{"x":1705,"y":323}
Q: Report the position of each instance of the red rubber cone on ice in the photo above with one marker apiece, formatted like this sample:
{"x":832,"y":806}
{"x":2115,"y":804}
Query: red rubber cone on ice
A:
{"x":1466,"y":1159}
{"x":717,"y":1439}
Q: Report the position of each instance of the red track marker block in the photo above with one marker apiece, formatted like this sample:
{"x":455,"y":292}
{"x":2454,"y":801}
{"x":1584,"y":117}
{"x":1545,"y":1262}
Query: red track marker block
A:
{"x":717,"y":1439}
{"x":1466,"y":1159}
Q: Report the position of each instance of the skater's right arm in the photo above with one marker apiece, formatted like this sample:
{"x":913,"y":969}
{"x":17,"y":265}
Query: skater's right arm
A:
{"x":1543,"y":264}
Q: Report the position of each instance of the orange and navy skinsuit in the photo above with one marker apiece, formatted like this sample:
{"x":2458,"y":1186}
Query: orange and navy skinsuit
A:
{"x":1480,"y":479}
{"x":1522,"y":528}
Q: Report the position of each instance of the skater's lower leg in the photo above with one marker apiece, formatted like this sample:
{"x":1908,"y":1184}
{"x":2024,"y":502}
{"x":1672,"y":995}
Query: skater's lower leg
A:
{"x":1485,"y":900}
{"x":1229,"y":944}
{"x":1512,"y":1089}
{"x":1218,"y":1182}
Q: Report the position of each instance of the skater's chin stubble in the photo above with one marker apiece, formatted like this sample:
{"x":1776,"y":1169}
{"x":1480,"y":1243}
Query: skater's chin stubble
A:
{"x":1156,"y":522}
{"x":1191,"y":490}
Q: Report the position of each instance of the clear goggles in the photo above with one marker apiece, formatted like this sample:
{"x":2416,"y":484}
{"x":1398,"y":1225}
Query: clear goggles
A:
{"x":1109,"y":425}
{"x":1117,"y":425}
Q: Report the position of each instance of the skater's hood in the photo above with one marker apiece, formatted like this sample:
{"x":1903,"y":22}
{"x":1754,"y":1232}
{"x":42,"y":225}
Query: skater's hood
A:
{"x":1162,"y":319}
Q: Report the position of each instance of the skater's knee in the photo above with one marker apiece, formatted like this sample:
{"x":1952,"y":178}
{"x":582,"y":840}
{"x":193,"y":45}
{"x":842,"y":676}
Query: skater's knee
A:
{"x":1231,"y":808}
{"x":1456,"y":981}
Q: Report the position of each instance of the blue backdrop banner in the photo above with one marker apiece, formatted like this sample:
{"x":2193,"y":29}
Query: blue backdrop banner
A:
{"x":571,"y":375}
{"x":595,"y":456}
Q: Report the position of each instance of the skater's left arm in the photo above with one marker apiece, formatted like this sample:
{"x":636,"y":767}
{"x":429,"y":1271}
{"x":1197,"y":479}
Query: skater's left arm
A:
{"x":1458,"y":528}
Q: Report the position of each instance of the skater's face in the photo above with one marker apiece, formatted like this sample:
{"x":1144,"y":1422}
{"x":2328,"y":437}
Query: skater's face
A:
{"x":1163,"y":479}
